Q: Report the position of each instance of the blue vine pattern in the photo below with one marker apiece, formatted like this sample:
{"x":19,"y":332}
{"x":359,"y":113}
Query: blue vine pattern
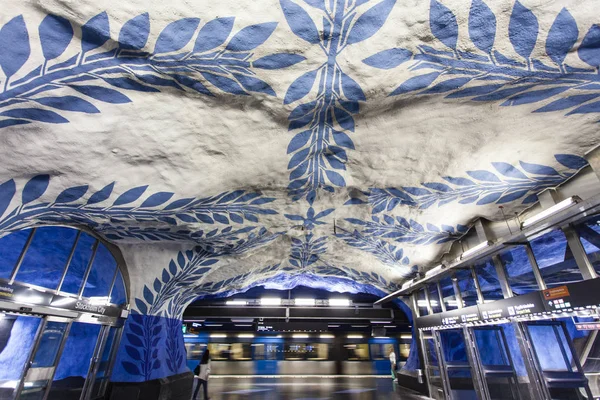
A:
{"x":515,"y":81}
{"x":319,"y":149}
{"x":216,"y":61}
{"x":507,"y":184}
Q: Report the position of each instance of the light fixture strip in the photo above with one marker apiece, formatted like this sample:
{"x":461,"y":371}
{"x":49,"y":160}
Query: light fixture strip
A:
{"x":476,"y":249}
{"x":550,"y":211}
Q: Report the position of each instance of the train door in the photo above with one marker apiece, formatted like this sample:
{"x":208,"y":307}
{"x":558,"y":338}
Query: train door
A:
{"x":436,"y":379}
{"x":556,"y":361}
{"x":495,"y":363}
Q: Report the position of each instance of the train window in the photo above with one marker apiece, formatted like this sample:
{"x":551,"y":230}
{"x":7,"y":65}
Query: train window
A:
{"x":303,"y":351}
{"x":357,"y":352}
{"x":195,"y":350}
{"x":266,"y":351}
{"x":404,"y":351}
{"x":380,"y":351}
{"x":230,"y":351}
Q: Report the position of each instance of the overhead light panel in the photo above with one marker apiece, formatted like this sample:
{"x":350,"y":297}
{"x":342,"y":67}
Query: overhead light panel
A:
{"x":218,"y":335}
{"x":245,"y":336}
{"x":355,"y":336}
{"x":236,"y":302}
{"x":300,"y":336}
{"x":339,"y":302}
{"x":305,"y":302}
{"x":242,"y":320}
{"x":434,"y":271}
{"x":326,"y":336}
{"x":381,"y":322}
{"x":270,"y":301}
{"x":476,"y":249}
{"x":550,"y":211}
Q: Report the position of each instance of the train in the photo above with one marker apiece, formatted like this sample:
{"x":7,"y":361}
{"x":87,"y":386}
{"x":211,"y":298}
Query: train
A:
{"x":304,"y":354}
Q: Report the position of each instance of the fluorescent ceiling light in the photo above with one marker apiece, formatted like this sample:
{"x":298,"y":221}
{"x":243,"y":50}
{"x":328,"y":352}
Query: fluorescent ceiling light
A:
{"x":244,"y":325}
{"x":552,"y":210}
{"x":243,"y":320}
{"x":476,"y":249}
{"x":389,"y":326}
{"x":382,"y":337}
{"x":236,"y":302}
{"x":218,"y":335}
{"x":434,"y":271}
{"x":245,"y":335}
{"x":270,"y":301}
{"x":406,"y":285}
{"x":326,"y":336}
{"x":300,"y":336}
{"x":339,"y":302}
{"x":333,"y":326}
{"x":354,"y":336}
{"x":304,"y":302}
{"x":359,"y":326}
{"x":405,"y":336}
{"x":423,"y":303}
{"x":381,"y":322}
{"x":210,"y":325}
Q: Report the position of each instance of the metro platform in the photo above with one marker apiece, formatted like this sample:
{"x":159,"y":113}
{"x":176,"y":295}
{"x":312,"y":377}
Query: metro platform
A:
{"x":306,"y":388}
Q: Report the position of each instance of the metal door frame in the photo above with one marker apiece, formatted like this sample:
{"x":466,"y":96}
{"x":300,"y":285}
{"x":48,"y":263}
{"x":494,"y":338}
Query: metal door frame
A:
{"x":93,"y":368}
{"x":441,"y":367}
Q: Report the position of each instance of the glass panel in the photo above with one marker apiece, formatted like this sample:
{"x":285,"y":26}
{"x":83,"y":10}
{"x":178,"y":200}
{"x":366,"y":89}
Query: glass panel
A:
{"x":17,"y":336}
{"x":79,"y":263}
{"x":46,"y":258}
{"x":488,"y":281}
{"x":74,"y":363}
{"x":589,"y":235}
{"x":104,"y":364}
{"x":549,"y":347}
{"x":118,"y":294}
{"x":448,"y":294}
{"x":422,"y":303}
{"x":555,"y":259}
{"x":101,"y":275}
{"x":457,"y":364}
{"x":10,"y":249}
{"x":357,"y":352}
{"x":491,"y":346}
{"x":519,"y":270}
{"x":466,"y":285}
{"x":44,"y":362}
{"x":431,"y":353}
{"x":434,"y":299}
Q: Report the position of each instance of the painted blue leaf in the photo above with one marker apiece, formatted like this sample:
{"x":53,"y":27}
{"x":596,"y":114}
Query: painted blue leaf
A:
{"x":508,"y":170}
{"x":157,"y":199}
{"x":440,"y":187}
{"x":316,"y":3}
{"x":36,"y":114}
{"x":300,"y":87}
{"x":512,"y":196}
{"x":12,"y":122}
{"x":14,"y":46}
{"x":148,"y":296}
{"x":448,"y":85}
{"x":588,"y":108}
{"x":134,"y":33}
{"x":482,"y":26}
{"x":298,"y":158}
{"x":95,"y":32}
{"x":299,"y":141}
{"x":300,"y":22}
{"x":251,"y":37}
{"x":254,"y":84}
{"x":352,"y":106}
{"x":532,"y":198}
{"x":277,"y":61}
{"x":131,"y":368}
{"x":334,"y":162}
{"x":335,"y":178}
{"x":344,"y":119}
{"x":351,"y":89}
{"x":589,"y":50}
{"x":213,"y":34}
{"x":416,"y":83}
{"x":7,"y":192}
{"x":416,"y":191}
{"x":133,"y":353}
{"x":490,"y":198}
{"x":523,"y":30}
{"x":568,"y":102}
{"x":341,"y":139}
{"x":225,"y":84}
{"x":302,"y":110}
{"x":370,"y":22}
{"x":459,"y":181}
{"x":538,"y":169}
{"x":135,"y":340}
{"x":102,"y":94}
{"x":571,"y":161}
{"x":221,"y":219}
{"x":192,"y":84}
{"x":71,"y":194}
{"x":443,"y":24}
{"x":534,"y":96}
{"x":474,"y":91}
{"x":484,"y":176}
{"x":388,"y":59}
{"x":141,"y":306}
{"x":69,"y":103}
{"x":176,"y":35}
{"x":562,"y":36}
{"x":55,"y":35}
{"x":102,"y":194}
{"x":130,"y":196}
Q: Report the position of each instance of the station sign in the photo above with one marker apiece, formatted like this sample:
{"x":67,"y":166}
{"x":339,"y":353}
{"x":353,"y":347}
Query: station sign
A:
{"x":587,"y":326}
{"x":574,"y":295}
{"x":518,"y":306}
{"x":294,"y":326}
{"x":461,"y":316}
{"x":16,"y":293}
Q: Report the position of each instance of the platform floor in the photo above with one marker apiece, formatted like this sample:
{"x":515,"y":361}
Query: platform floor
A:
{"x":309,"y":388}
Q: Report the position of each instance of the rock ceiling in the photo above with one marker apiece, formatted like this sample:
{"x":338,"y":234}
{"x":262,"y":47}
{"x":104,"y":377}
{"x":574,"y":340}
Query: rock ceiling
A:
{"x":341,"y":136}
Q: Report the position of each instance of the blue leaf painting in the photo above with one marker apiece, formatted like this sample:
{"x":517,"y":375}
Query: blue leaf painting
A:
{"x":388,"y":59}
{"x":351,"y":89}
{"x":224,"y":83}
{"x":562,"y":36}
{"x":35,"y":188}
{"x":176,"y":35}
{"x":7,"y":192}
{"x":538,"y":169}
{"x":300,"y":22}
{"x":131,"y":368}
{"x":534,"y":96}
{"x":523,"y":30}
{"x":213,"y":34}
{"x":55,"y":35}
{"x":571,"y":161}
{"x":335,"y":178}
{"x":102,"y":194}
{"x":95,"y":32}
{"x":14,"y":46}
{"x":567,"y":102}
{"x":589,"y":50}
{"x":71,"y":194}
{"x":251,"y":37}
{"x":443,"y":24}
{"x":157,"y":199}
{"x":102,"y":94}
{"x":134,"y":33}
{"x":299,"y":141}
{"x":482,"y":26}
{"x":35,"y":114}
{"x":508,"y":170}
{"x":254,"y":84}
{"x":130,"y":196}
{"x":277,"y":61}
{"x":370,"y":22}
{"x":12,"y":122}
{"x":587,"y":108}
{"x":300,"y":87}
{"x":69,"y":103}
{"x":416,"y":83}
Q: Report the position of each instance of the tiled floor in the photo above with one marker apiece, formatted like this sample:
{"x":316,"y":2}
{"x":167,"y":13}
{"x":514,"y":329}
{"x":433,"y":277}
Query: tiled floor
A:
{"x":306,"y":389}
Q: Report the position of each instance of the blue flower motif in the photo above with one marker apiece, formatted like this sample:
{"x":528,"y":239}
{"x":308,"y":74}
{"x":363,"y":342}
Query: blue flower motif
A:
{"x":311,"y":219}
